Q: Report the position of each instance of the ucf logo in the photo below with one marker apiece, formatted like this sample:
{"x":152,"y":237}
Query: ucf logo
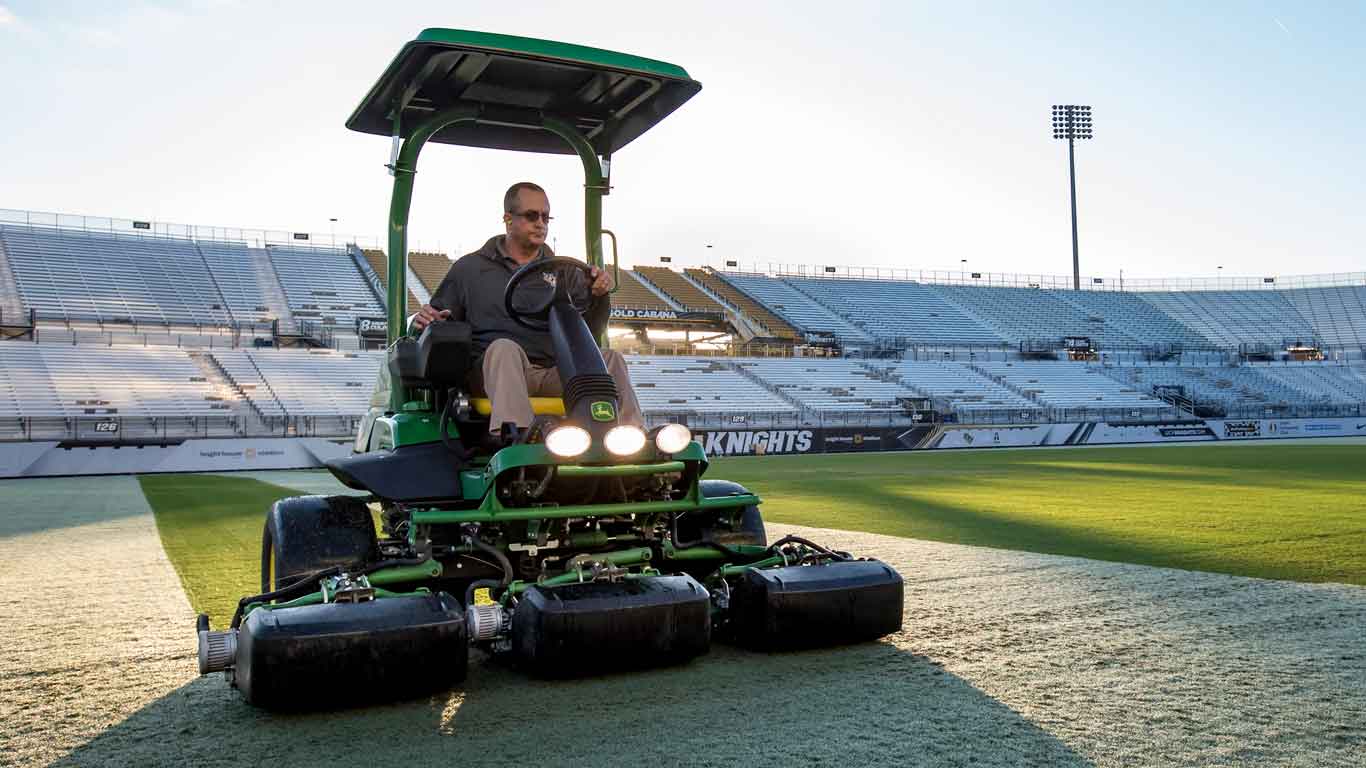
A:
{"x":549,"y":277}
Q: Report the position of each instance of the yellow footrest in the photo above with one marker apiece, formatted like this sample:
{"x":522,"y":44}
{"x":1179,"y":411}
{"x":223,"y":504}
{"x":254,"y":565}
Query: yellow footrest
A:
{"x":541,"y":406}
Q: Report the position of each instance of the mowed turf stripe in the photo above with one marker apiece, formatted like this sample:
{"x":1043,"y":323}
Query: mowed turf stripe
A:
{"x":210,"y":527}
{"x":1286,"y":512}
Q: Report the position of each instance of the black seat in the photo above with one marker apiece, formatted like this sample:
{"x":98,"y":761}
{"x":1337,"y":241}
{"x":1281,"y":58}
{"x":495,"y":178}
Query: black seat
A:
{"x":439,"y":358}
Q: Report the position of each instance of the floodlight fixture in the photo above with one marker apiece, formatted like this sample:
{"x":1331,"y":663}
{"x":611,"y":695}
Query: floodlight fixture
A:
{"x":1073,"y":122}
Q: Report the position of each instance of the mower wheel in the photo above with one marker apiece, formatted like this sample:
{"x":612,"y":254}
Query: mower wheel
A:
{"x":306,"y":534}
{"x":751,"y":522}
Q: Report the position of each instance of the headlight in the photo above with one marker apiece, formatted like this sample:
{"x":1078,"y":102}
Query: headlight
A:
{"x":624,"y":440}
{"x":672,"y":438}
{"x":567,"y":441}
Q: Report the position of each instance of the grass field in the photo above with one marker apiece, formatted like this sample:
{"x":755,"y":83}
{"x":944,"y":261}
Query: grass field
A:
{"x":1295,"y":512}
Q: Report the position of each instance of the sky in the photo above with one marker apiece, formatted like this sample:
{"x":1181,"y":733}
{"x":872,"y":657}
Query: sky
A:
{"x":908,"y":134}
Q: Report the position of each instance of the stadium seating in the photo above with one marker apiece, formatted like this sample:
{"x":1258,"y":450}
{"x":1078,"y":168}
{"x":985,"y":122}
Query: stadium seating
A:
{"x":58,"y":380}
{"x":798,"y":309}
{"x":701,"y":387}
{"x":1232,"y":318}
{"x":1129,"y":314}
{"x":1338,"y":314}
{"x":898,"y":310}
{"x":773,"y":324}
{"x":957,"y":386}
{"x":119,"y":314}
{"x":1235,"y":389}
{"x":324,"y":285}
{"x":379,"y":262}
{"x":236,"y":275}
{"x":828,"y":385}
{"x":633,"y":294}
{"x":430,"y":268}
{"x":314,"y":383}
{"x":77,"y":275}
{"x":331,"y":389}
{"x":1028,"y":314}
{"x":239,"y":369}
{"x":683,"y":293}
{"x":1072,"y":386}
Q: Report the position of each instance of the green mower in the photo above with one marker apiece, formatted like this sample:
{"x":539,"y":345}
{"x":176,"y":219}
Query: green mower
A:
{"x":599,"y":545}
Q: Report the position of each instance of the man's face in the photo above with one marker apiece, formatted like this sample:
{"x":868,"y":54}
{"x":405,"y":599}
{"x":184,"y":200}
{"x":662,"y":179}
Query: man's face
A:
{"x":520,"y":229}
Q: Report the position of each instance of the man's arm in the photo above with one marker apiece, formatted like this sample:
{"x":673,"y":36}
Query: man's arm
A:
{"x":601,"y":309}
{"x":448,"y":303}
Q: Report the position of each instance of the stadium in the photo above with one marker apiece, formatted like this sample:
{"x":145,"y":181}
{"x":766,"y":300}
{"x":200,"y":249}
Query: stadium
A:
{"x":237,"y":339}
{"x":1126,"y":514}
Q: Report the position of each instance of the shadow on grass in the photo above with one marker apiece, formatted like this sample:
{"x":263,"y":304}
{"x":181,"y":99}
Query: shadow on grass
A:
{"x":870,"y":704}
{"x":40,"y":504}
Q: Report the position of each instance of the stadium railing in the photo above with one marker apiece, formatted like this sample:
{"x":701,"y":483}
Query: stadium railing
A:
{"x":255,"y":238}
{"x":148,"y":429}
{"x":1062,"y":282}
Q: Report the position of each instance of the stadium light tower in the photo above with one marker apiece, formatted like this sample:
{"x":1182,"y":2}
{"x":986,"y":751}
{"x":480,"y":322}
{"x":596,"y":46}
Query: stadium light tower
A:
{"x":1072,"y":122}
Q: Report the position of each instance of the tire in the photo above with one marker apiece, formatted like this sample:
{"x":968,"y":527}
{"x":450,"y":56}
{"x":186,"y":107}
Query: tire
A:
{"x":306,"y":534}
{"x":751,"y":523}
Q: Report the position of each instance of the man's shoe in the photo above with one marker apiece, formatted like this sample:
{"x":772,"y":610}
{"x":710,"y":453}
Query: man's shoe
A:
{"x":493,"y":442}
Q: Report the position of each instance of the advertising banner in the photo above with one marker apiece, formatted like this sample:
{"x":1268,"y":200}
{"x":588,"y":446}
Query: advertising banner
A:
{"x":212,"y":455}
{"x":372,"y":327}
{"x":37,"y":459}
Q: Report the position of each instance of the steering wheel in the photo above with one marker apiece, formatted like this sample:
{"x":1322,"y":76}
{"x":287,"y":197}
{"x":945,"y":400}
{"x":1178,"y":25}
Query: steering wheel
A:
{"x":572,"y":283}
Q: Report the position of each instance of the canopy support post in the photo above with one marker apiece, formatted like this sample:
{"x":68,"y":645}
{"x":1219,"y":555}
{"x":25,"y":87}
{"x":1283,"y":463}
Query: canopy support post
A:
{"x":404,"y":169}
{"x":595,"y":185}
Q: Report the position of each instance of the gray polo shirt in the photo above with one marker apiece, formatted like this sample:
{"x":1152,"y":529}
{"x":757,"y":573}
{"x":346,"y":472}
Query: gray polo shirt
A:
{"x":473,"y":291}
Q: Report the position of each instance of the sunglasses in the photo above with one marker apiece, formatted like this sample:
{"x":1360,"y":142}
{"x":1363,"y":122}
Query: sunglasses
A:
{"x":532,"y":216}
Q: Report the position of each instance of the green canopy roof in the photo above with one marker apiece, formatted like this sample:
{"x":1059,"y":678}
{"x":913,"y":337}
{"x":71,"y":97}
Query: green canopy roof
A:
{"x":515,"y":81}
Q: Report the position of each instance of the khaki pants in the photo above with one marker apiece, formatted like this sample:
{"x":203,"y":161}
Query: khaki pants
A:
{"x":510,"y":381}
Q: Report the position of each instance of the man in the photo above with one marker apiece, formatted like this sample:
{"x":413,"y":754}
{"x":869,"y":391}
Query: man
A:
{"x":516,"y":362}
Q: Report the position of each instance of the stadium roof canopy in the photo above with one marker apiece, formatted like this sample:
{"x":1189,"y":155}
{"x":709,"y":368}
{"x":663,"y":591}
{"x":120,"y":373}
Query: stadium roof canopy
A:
{"x":515,"y":82}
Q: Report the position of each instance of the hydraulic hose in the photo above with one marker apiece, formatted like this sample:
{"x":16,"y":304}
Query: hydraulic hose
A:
{"x":502,"y":559}
{"x":444,"y":425}
{"x":299,"y":588}
{"x":308,"y":583}
{"x":808,"y":543}
{"x":680,"y":544}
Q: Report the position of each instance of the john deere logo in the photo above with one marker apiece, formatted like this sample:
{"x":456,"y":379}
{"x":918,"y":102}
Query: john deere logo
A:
{"x":602,"y":411}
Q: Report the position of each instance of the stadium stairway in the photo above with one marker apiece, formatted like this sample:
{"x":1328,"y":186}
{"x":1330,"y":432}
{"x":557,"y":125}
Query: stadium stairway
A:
{"x":795,"y":306}
{"x":377,"y":264}
{"x":669,"y":283}
{"x":663,"y":295}
{"x":226,"y":389}
{"x":755,"y":312}
{"x":11,"y":306}
{"x":1002,"y":381}
{"x":430,"y":268}
{"x":745,"y":326}
{"x":272,"y":291}
{"x":634,"y":293}
{"x":803,"y":410}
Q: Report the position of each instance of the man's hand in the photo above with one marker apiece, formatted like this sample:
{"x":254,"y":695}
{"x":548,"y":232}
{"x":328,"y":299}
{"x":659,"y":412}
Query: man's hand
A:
{"x":602,"y":281}
{"x":428,"y":315}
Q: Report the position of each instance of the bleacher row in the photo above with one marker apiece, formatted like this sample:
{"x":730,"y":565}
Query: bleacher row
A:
{"x":63,"y":381}
{"x":75,"y":275}
{"x":906,"y":313}
{"x":108,"y":277}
